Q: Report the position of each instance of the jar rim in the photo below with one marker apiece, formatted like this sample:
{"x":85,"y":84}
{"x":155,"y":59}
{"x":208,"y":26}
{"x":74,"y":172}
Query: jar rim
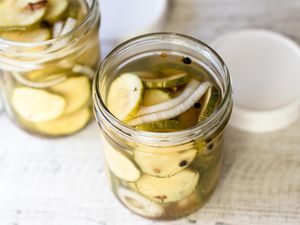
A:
{"x":178,"y":137}
{"x":82,"y":23}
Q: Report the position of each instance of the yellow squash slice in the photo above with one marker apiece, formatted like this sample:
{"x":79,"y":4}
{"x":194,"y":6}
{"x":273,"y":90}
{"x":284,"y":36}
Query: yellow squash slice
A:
{"x":37,"y":105}
{"x":155,"y":96}
{"x":67,"y":124}
{"x":55,"y":10}
{"x":119,"y":163}
{"x":164,"y":164}
{"x":125,"y":96}
{"x":170,"y":189}
{"x":76,"y":90}
{"x":21,"y":14}
{"x":30,"y":36}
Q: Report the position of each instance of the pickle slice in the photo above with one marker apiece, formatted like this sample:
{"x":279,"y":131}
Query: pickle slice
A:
{"x":76,"y":91}
{"x":66,"y":124}
{"x":44,"y":74}
{"x":166,"y":82}
{"x":206,"y":161}
{"x":55,"y":10}
{"x":170,"y":71}
{"x":146,"y":74}
{"x":170,"y":189}
{"x":209,"y":102}
{"x":164,"y":164}
{"x":125,"y":96}
{"x":154,"y":96}
{"x":77,"y":10}
{"x":37,"y":105}
{"x":74,"y":9}
{"x":211,"y":177}
{"x":21,"y":14}
{"x":161,"y":126}
{"x":172,"y":103}
{"x":37,"y":35}
{"x":119,"y":163}
{"x":189,"y":118}
{"x":139,"y":203}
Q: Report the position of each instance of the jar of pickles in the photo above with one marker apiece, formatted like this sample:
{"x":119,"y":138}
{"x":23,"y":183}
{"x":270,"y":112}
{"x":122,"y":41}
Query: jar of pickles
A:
{"x":49,"y":51}
{"x":162,"y":102}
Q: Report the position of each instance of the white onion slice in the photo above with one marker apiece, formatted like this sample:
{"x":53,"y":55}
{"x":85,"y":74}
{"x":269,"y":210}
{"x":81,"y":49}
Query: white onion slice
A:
{"x":175,"y":111}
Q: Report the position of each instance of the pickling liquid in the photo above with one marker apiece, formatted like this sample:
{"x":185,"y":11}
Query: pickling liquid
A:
{"x":163,"y":182}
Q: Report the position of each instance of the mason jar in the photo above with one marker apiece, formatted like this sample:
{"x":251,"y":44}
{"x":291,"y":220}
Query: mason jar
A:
{"x":194,"y":155}
{"x":46,"y":86}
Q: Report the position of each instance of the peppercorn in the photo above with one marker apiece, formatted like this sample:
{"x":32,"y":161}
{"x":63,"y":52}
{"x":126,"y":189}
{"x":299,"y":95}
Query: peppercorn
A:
{"x":183,"y":163}
{"x":187,"y":60}
{"x":197,"y":105}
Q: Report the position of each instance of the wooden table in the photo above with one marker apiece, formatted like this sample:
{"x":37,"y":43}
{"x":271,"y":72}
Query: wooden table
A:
{"x":61,"y":181}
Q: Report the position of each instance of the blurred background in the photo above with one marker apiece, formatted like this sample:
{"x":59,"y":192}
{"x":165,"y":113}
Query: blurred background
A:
{"x":203,"y":19}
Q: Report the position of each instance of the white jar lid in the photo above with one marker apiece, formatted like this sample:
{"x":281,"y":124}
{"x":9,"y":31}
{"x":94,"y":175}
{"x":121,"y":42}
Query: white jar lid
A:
{"x":265,"y":71}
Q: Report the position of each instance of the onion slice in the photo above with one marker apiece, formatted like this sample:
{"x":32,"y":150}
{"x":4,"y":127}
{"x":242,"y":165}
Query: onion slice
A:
{"x":175,"y":111}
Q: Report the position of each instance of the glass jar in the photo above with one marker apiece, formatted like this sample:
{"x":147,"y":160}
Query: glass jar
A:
{"x":46,"y":86}
{"x":193,"y":156}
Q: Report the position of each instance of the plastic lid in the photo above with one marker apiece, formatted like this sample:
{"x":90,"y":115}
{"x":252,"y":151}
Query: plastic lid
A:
{"x":124,"y":19}
{"x":265,"y":71}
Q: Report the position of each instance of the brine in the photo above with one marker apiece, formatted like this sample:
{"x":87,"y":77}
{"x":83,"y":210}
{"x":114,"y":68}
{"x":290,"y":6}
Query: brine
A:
{"x":163,"y":93}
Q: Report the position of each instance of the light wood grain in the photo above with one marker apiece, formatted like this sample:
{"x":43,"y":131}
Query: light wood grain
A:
{"x":208,"y":19}
{"x":61,"y":181}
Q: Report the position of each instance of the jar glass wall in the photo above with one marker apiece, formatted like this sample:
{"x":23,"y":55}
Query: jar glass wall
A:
{"x":46,"y":85}
{"x":162,"y":175}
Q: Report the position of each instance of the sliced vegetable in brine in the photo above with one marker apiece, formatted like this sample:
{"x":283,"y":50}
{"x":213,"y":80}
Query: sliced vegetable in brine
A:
{"x":21,"y":14}
{"x":190,"y":117}
{"x":125,"y":96}
{"x":37,"y":105}
{"x":209,"y":103}
{"x":145,"y":74}
{"x":164,"y":164}
{"x":155,"y":96}
{"x":161,"y":126}
{"x":55,"y":10}
{"x":170,"y":71}
{"x":188,"y":91}
{"x":139,"y":203}
{"x":119,"y":163}
{"x":173,"y":112}
{"x":73,"y":9}
{"x":170,"y":189}
{"x":76,"y":91}
{"x":30,"y":36}
{"x":166,"y":82}
{"x":46,"y":74}
{"x":66,"y":124}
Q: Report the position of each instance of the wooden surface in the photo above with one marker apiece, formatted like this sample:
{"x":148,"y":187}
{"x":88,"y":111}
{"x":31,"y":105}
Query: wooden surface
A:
{"x":61,"y":181}
{"x":208,"y":19}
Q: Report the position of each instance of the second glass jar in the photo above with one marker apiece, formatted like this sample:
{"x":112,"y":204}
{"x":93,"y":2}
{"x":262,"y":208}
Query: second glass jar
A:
{"x":46,"y":86}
